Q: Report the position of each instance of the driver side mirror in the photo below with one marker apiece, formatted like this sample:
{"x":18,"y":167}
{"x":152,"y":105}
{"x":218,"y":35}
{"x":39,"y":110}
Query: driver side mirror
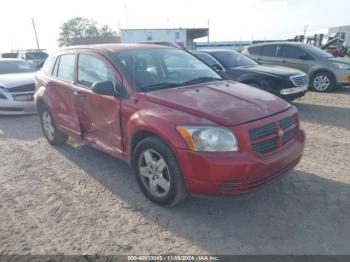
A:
{"x":105,"y":88}
{"x":216,"y":67}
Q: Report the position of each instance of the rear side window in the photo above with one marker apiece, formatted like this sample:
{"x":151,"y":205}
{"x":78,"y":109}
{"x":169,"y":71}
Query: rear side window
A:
{"x":206,"y":59}
{"x":269,"y":50}
{"x":65,"y":70}
{"x":91,"y":70}
{"x":254,"y":50}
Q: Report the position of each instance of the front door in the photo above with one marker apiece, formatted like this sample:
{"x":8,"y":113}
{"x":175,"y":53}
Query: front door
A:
{"x":294,"y":57}
{"x":99,"y":115}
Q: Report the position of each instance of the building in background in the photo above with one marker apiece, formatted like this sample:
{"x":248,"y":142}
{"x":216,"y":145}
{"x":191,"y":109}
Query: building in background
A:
{"x":183,"y":36}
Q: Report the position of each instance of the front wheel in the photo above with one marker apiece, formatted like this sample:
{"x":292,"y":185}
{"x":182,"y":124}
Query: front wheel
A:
{"x":322,"y":82}
{"x":158,"y":173}
{"x":52,"y":134}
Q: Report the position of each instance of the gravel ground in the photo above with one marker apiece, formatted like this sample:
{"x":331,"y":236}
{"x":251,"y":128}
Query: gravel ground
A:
{"x":76,"y":200}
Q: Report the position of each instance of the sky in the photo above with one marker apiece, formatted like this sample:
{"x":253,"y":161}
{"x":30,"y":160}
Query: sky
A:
{"x":229,"y":20}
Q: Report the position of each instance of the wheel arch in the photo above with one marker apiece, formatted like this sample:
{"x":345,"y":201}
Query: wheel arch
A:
{"x":319,"y":70}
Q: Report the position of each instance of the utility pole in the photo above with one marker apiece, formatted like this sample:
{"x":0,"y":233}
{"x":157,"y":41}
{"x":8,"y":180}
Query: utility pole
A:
{"x":305,"y":28}
{"x":208,"y":31}
{"x":36,"y":35}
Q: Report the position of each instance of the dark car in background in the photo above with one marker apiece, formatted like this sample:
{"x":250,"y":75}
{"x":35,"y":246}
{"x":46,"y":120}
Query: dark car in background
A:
{"x":16,"y":87}
{"x":284,"y":82}
{"x":325,"y":70}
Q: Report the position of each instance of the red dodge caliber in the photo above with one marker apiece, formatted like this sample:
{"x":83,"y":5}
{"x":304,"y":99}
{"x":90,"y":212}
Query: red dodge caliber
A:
{"x":179,"y":125}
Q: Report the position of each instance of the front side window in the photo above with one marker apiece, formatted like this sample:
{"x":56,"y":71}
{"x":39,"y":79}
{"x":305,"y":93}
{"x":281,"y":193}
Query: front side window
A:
{"x":65,"y":68}
{"x":154,"y":69}
{"x":91,"y":69}
{"x":291,"y":52}
{"x":269,"y":50}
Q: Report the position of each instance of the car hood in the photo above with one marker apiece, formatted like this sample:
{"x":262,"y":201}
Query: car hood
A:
{"x":224,"y":102}
{"x":12,"y":80}
{"x":270,"y":70}
{"x":340,"y":60}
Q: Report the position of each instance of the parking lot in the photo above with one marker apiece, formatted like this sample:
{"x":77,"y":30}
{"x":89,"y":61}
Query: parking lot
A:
{"x":74,"y":199}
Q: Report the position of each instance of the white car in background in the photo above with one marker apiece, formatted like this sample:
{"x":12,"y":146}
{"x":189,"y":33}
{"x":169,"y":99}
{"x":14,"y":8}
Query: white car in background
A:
{"x":17,"y":87}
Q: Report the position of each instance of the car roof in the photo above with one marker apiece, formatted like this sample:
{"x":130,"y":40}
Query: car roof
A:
{"x":215,"y":50}
{"x":112,"y":48}
{"x":279,"y":43}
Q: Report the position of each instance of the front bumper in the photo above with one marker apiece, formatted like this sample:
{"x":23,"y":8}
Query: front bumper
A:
{"x":9,"y":106}
{"x":236,"y":173}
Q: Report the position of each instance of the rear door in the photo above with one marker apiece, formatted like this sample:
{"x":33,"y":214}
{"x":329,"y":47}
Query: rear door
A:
{"x":99,"y":115}
{"x":268,"y":55}
{"x":61,"y":90}
{"x":292,"y":56}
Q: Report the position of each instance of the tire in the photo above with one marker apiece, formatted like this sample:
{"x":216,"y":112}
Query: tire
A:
{"x":322,"y":82}
{"x":161,"y":182}
{"x":48,"y":126}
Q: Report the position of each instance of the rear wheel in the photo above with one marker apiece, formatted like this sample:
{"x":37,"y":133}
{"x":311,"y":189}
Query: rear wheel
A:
{"x":52,"y":134}
{"x":322,"y":82}
{"x":158,"y":173}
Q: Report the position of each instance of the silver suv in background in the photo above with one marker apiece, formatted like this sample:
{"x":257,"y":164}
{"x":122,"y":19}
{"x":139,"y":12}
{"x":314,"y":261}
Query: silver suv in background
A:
{"x":325,"y":70}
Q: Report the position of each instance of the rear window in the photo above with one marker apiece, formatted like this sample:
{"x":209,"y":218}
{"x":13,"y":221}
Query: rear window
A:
{"x":269,"y":50}
{"x":254,"y":50}
{"x":47,"y":68}
{"x":15,"y":67}
{"x":206,"y":59}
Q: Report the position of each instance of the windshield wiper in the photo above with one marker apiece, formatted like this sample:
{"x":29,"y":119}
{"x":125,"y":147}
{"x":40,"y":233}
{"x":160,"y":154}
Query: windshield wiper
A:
{"x":160,"y":86}
{"x":201,"y":80}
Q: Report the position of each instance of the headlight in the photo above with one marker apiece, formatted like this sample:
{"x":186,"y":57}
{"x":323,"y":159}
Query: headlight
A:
{"x":210,"y":139}
{"x":342,"y":66}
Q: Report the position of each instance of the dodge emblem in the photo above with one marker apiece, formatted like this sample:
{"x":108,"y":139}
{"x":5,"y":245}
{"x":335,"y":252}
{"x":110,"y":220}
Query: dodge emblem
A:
{"x":280,"y":132}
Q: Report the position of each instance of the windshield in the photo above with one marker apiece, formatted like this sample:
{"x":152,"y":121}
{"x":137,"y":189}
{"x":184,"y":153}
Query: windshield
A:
{"x":153,"y":69}
{"x":317,"y":51}
{"x":36,"y":55}
{"x":13,"y":67}
{"x":231,"y":59}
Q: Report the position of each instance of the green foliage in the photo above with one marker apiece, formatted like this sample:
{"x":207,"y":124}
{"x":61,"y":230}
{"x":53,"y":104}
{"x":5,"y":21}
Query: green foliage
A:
{"x":79,"y":27}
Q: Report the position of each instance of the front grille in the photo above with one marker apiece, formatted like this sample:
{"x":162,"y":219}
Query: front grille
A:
{"x":265,"y":146}
{"x":22,"y":88}
{"x":288,"y":135}
{"x":269,"y":137}
{"x":288,"y":121}
{"x":267,"y":130}
{"x":300,"y":80}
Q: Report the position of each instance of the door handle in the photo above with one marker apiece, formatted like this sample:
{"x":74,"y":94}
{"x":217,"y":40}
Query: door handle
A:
{"x":79,"y":94}
{"x":50,"y":83}
{"x":284,"y":61}
{"x":258,"y":59}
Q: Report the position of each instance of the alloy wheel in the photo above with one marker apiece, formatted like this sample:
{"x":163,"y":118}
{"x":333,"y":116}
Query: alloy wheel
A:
{"x":154,"y":173}
{"x":48,"y":126}
{"x":321,"y":83}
